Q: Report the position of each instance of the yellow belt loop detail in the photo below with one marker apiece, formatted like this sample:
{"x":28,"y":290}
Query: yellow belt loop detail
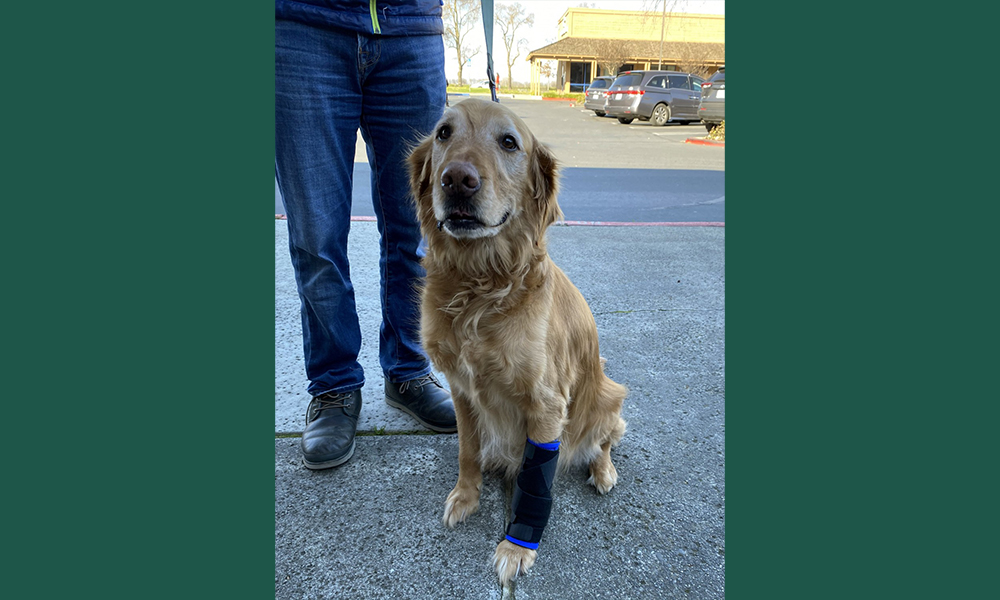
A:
{"x":374,"y":11}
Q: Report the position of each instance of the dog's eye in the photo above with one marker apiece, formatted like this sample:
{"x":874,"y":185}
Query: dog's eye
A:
{"x":444,"y":133}
{"x":508,"y":142}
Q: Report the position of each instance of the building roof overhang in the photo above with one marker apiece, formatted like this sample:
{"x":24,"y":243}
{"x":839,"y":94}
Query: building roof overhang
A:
{"x":643,"y":50}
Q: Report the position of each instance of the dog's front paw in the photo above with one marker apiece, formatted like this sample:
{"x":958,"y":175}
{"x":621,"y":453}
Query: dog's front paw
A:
{"x":461,"y":503}
{"x":510,"y":560}
{"x":603,"y":476}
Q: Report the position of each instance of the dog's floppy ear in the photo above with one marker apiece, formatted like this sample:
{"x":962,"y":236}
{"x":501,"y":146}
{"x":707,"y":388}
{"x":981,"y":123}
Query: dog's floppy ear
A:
{"x":544,"y":173}
{"x":421,"y":171}
{"x":419,"y":163}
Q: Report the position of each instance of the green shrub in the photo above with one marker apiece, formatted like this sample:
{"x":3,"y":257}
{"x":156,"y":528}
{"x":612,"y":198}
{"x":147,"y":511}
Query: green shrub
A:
{"x":719,"y":133}
{"x":560,"y":95}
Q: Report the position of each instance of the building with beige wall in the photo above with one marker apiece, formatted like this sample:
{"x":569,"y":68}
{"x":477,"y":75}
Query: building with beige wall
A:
{"x":692,"y":42}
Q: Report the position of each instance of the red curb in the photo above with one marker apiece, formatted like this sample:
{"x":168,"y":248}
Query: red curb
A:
{"x":591,"y":223}
{"x":285,"y":218}
{"x":704,"y":142}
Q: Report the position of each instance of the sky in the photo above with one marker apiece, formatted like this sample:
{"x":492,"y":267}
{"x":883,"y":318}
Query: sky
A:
{"x":543,"y":33}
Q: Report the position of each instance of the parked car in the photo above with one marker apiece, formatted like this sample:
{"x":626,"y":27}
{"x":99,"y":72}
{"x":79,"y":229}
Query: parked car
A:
{"x":596,"y":92}
{"x":657,"y":96}
{"x":481,"y":84}
{"x":712,"y":109}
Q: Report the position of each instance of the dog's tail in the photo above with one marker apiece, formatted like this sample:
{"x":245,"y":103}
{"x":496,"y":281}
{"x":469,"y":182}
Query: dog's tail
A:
{"x":598,"y":404}
{"x":611,"y":397}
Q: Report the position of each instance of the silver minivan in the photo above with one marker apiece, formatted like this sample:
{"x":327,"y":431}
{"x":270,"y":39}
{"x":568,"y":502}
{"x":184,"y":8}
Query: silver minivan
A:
{"x":657,"y":96}
{"x":594,"y":97}
{"x":713,"y":100}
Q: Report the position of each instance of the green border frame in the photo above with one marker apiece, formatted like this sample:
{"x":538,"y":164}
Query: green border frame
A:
{"x":139,"y":457}
{"x":847,"y":252}
{"x":139,"y":418}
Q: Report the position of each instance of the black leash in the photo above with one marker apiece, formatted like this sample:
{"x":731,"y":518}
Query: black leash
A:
{"x":488,"y":26}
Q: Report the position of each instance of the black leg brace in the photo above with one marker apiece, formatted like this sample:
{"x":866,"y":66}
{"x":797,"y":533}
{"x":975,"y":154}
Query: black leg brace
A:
{"x":532,"y":500}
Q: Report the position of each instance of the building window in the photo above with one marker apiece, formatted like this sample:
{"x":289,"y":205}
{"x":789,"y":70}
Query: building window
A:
{"x":579,"y":76}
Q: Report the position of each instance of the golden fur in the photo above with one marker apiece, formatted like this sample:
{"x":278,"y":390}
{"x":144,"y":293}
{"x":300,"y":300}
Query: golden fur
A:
{"x":514,"y":337}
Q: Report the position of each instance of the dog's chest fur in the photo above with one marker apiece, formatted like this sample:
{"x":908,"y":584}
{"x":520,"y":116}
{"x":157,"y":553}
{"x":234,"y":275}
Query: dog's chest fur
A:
{"x":491,"y":357}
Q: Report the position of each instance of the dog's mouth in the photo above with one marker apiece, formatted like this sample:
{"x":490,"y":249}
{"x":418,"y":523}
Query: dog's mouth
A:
{"x":461,"y":220}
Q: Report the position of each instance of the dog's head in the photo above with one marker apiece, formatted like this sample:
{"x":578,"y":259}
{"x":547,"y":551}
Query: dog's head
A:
{"x":482,"y":174}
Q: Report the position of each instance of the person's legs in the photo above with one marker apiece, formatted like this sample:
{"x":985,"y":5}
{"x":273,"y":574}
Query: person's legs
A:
{"x":317,"y":112}
{"x":404,"y":90}
{"x":317,"y":102}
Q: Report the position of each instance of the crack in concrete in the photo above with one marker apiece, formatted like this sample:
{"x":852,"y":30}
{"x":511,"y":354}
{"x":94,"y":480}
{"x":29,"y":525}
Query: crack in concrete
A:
{"x":365,"y":433}
{"x":654,"y":310}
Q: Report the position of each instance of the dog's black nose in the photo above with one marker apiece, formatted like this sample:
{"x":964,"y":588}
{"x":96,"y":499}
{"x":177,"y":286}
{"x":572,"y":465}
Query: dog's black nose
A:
{"x":460,"y":179}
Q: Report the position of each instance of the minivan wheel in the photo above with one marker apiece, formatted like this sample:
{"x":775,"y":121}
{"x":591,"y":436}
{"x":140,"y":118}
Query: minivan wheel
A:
{"x":625,"y":121}
{"x":710,"y":126}
{"x":600,"y":113}
{"x":661,"y":114}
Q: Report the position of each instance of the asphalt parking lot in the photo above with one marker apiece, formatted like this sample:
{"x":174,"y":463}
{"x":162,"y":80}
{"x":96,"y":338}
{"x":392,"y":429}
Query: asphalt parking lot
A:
{"x":579,"y":138}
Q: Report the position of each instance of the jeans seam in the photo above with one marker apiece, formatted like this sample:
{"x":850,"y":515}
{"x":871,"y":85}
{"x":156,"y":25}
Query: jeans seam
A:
{"x":377,"y":193}
{"x":373,"y":57}
{"x":388,"y":278}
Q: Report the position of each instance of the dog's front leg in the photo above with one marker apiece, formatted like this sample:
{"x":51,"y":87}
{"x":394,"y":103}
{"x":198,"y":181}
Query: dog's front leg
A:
{"x":464,"y":499}
{"x":532,"y":495}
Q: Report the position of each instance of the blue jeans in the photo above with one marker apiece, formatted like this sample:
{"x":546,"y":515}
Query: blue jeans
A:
{"x":328,"y":84}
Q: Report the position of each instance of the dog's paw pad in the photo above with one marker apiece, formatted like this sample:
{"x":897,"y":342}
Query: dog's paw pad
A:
{"x":511,"y":560}
{"x":459,"y":505}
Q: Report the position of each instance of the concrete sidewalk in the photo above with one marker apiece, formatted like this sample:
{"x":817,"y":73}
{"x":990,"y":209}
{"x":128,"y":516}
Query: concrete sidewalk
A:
{"x":372,"y":528}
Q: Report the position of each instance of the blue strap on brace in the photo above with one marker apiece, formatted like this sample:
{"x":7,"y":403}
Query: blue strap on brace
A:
{"x":532,"y":500}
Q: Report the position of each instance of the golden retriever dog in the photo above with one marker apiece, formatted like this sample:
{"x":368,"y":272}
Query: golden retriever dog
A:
{"x":512,"y":334}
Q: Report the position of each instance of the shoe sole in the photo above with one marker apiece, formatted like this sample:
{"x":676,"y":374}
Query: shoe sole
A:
{"x":405,"y":409}
{"x":329,"y":463}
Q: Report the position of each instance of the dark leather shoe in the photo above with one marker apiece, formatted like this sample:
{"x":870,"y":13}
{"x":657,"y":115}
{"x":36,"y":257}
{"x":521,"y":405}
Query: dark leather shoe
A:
{"x":331,"y":422}
{"x":425,"y":400}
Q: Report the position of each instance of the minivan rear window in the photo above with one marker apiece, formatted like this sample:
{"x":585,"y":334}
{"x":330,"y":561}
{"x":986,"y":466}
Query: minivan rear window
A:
{"x":598,"y":84}
{"x":628,"y":80}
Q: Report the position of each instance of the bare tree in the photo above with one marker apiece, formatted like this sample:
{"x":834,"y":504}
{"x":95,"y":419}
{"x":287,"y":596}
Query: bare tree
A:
{"x":510,"y":18}
{"x":460,"y":18}
{"x":664,"y":8}
{"x":545,"y":70}
{"x":693,"y":58}
{"x":612,"y":54}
